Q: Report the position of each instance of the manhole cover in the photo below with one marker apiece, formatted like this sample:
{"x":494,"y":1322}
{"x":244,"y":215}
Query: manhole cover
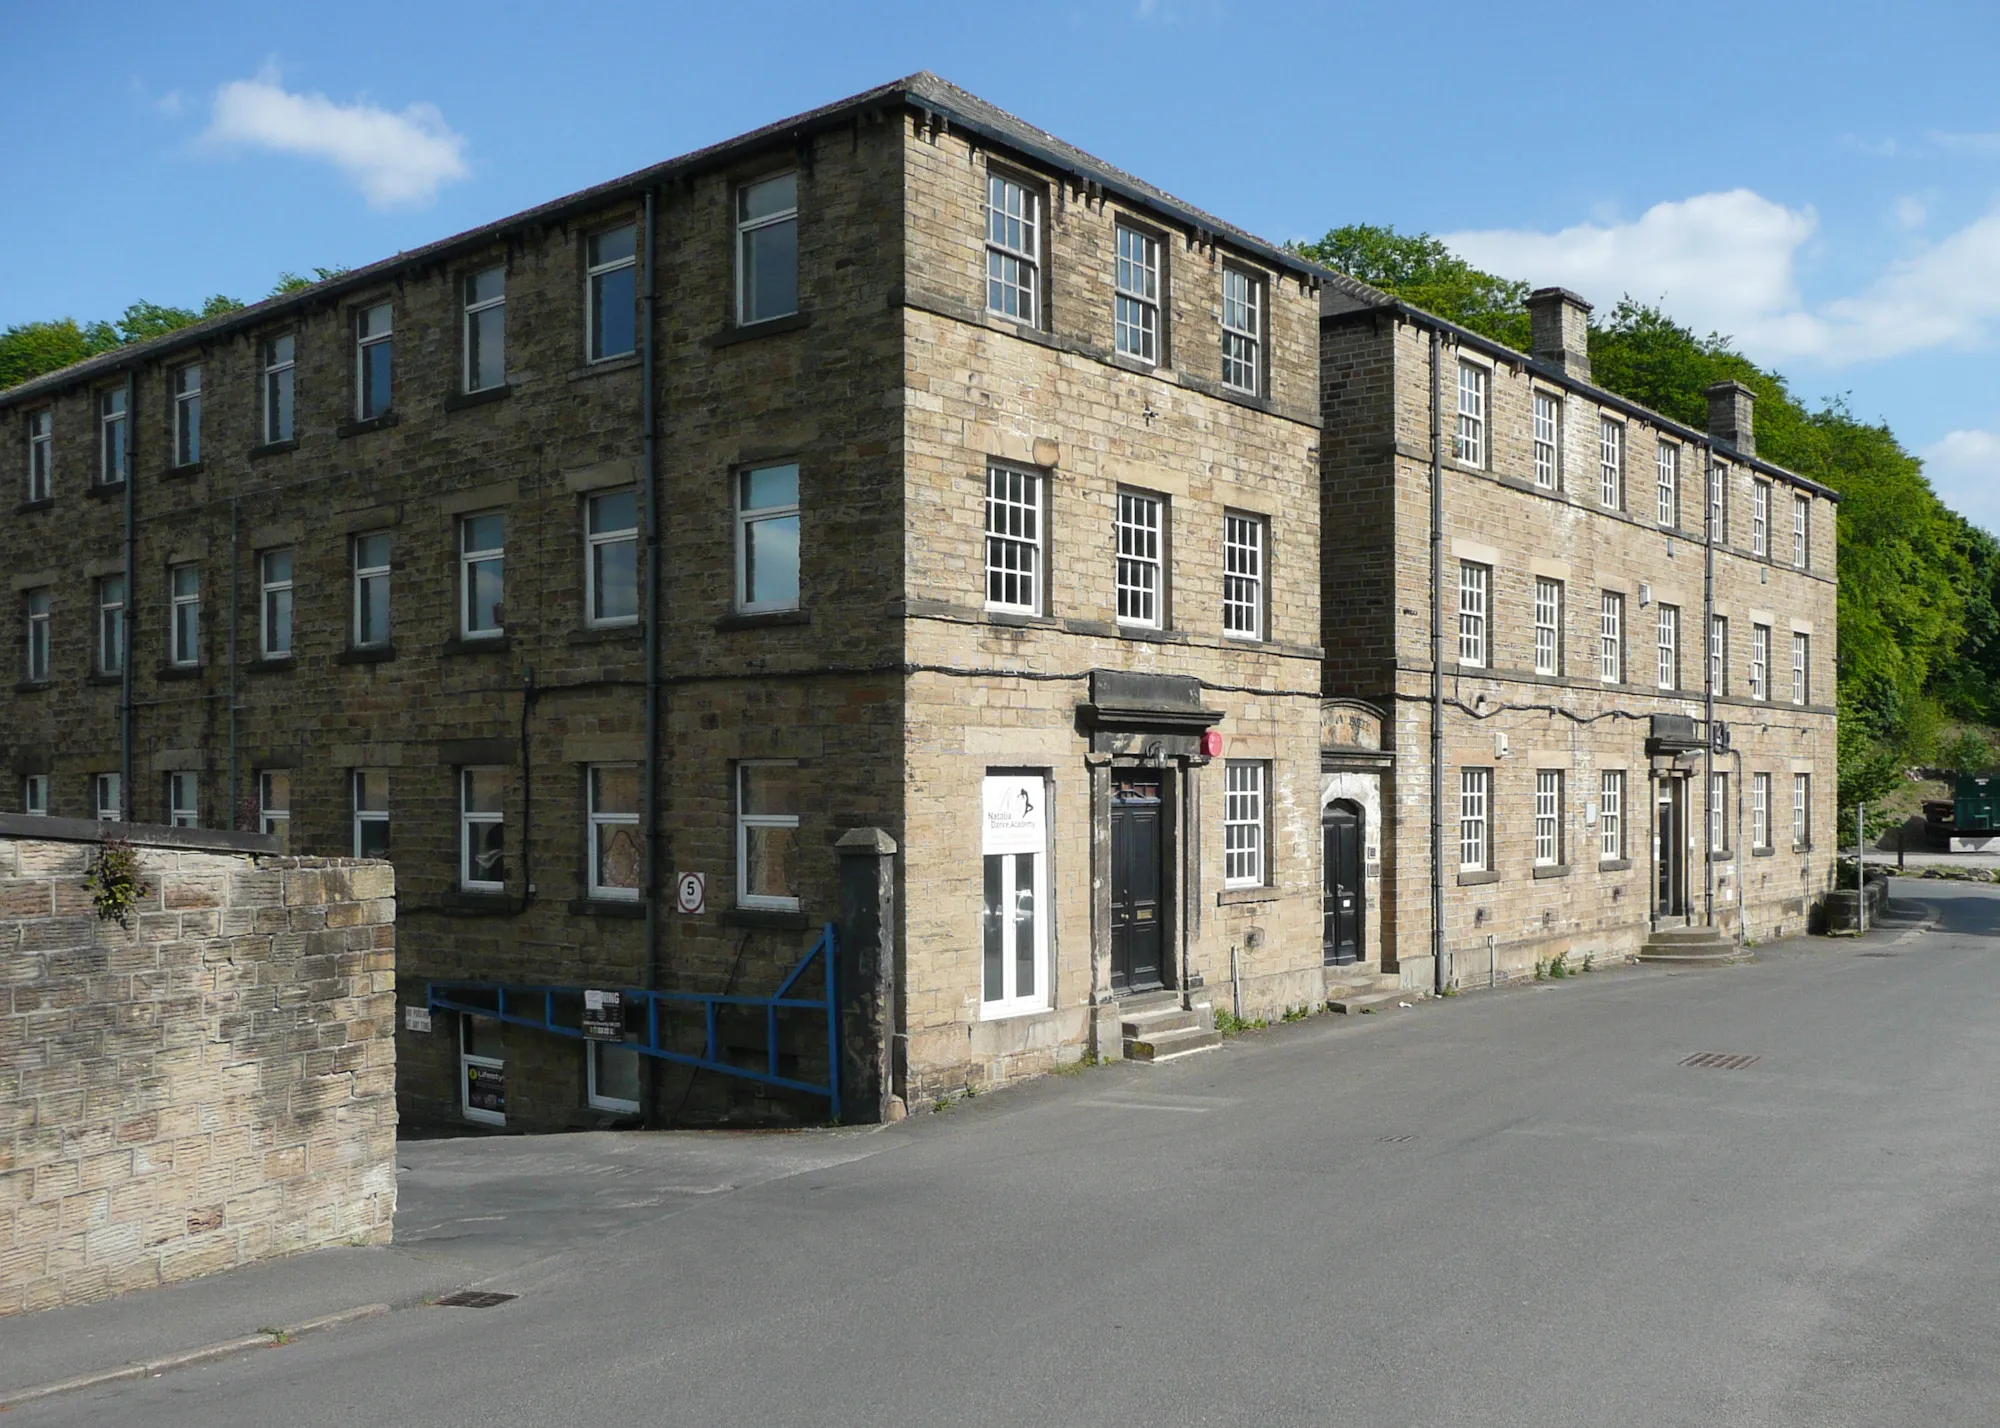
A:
{"x":474,"y":1299}
{"x":1720,"y":1060}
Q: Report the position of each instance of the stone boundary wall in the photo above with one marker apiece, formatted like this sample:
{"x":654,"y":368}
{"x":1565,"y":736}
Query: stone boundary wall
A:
{"x":212,"y":1086}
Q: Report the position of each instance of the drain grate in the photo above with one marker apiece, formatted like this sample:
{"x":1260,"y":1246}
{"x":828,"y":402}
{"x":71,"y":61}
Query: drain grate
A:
{"x":1394,"y":1139}
{"x":1720,"y":1060}
{"x":474,"y":1299}
{"x":1878,"y":954}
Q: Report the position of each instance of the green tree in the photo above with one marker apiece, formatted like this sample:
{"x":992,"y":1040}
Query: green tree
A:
{"x":29,"y":349}
{"x":289,"y":282}
{"x":1425,"y":273}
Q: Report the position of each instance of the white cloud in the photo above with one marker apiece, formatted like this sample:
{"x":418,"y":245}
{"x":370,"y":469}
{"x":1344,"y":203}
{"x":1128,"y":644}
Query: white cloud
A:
{"x":393,"y":158}
{"x":1910,"y":213}
{"x":1984,"y":146}
{"x":1965,"y":469}
{"x":1728,"y":262}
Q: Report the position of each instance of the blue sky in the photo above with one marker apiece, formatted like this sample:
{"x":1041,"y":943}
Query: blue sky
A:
{"x":1820,"y":181}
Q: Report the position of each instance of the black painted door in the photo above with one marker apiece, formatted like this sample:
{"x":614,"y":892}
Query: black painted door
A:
{"x":1135,"y":883}
{"x":1341,"y":832}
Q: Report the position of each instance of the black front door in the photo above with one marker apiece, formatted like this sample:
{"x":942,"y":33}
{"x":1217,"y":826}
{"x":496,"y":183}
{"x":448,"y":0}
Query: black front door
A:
{"x":1135,"y":882}
{"x":1341,"y":832}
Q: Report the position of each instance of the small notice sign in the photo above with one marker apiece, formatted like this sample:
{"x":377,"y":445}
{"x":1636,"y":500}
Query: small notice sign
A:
{"x":416,"y":1018}
{"x":691,"y":892}
{"x":603,"y":1015}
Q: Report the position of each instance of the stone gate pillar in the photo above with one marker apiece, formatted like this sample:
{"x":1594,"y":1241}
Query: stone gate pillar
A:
{"x":867,"y":972}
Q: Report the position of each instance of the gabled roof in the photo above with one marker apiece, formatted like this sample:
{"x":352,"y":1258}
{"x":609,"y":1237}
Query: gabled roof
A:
{"x":924,"y":91}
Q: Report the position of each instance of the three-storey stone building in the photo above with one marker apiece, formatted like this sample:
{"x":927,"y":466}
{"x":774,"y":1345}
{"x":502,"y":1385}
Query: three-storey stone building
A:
{"x":896,"y":467}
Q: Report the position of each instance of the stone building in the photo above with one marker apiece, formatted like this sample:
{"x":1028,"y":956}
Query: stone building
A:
{"x":1608,"y":646}
{"x":894,"y":467}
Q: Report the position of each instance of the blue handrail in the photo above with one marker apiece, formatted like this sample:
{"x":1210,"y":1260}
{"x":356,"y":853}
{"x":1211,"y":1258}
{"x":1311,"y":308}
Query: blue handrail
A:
{"x":534,"y":1005}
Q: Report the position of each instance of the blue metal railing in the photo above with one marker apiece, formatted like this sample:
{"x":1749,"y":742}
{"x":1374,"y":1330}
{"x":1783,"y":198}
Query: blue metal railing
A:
{"x":535,"y":1006}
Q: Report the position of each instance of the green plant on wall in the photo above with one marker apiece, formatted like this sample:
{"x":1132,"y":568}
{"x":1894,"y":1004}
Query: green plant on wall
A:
{"x":113,"y":881}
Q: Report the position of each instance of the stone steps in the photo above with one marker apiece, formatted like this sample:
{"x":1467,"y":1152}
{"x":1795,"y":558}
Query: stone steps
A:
{"x":1170,"y":1045}
{"x":1693,"y":947}
{"x":1154,"y":1026}
{"x":1352,"y":1001}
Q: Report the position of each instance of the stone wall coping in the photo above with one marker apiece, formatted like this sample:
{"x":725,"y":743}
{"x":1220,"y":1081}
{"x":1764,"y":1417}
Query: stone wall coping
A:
{"x":34,"y":827}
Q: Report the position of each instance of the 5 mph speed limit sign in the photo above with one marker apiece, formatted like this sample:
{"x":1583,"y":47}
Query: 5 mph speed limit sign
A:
{"x":693,"y":892}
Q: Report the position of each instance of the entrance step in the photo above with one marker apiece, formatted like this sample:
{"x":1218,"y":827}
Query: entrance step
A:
{"x":1352,"y":1001}
{"x":1168,"y":1045}
{"x":1155,"y":1023}
{"x":1693,"y":947}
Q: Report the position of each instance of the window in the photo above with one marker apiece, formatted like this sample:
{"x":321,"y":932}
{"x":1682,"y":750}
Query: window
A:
{"x":108,"y":795}
{"x":35,"y":795}
{"x":1760,"y":811}
{"x":482,"y":560}
{"x":767,"y":249}
{"x":482,"y":829}
{"x":767,"y":538}
{"x":184,"y":595}
{"x":1139,"y":565}
{"x":1013,"y":249}
{"x":1138,"y":299}
{"x":371,"y":589}
{"x":614,"y":1077}
{"x":612,"y":281}
{"x":41,"y":455}
{"x":1611,"y":465}
{"x":482,"y":1072}
{"x":1801,"y":544}
{"x":1013,"y":540}
{"x":1015,"y":921}
{"x":1611,"y":816}
{"x":280,"y":373}
{"x":374,"y":351}
{"x":614,"y":831}
{"x":371,"y":813}
{"x":274,"y":806}
{"x":611,"y":530}
{"x":1472,"y":587}
{"x":1718,"y":654}
{"x":486,"y":329}
{"x":767,"y":835}
{"x":113,"y":437}
{"x":1474,"y":785}
{"x":274,"y":576}
{"x":35,"y":608}
{"x":111,"y":624}
{"x":1670,"y":484}
{"x":1718,"y":502}
{"x":1243,"y":576}
{"x":187,"y":414}
{"x":1242,"y":331}
{"x":1801,"y":810}
{"x":1243,"y":823}
{"x":1611,"y":640}
{"x":1548,"y":817}
{"x":1760,"y":517}
{"x":184,"y":800}
{"x":1548,"y":428}
{"x":1718,"y":813}
{"x":1548,"y":625}
{"x":1760,"y":661}
{"x":1670,"y":652}
{"x":1471,"y":444}
{"x":1801,"y":658}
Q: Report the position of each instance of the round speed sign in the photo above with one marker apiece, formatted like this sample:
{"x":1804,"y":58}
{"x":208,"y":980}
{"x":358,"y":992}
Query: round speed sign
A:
{"x":693,"y":892}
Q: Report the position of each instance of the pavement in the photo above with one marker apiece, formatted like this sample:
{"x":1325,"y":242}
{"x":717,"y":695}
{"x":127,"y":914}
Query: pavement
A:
{"x":1522,"y":1206}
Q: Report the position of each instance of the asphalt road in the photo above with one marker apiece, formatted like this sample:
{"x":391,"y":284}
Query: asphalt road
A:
{"x":1508,"y":1208}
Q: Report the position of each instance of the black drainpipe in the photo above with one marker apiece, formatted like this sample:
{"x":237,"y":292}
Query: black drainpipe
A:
{"x":1438,"y":977}
{"x":235,"y":618}
{"x":649,"y":800}
{"x":131,"y":599}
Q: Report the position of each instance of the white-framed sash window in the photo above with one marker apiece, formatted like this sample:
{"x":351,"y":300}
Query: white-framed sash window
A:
{"x":1548,"y":625}
{"x":114,"y":436}
{"x":280,"y":356}
{"x":1244,"y":815}
{"x":374,"y":360}
{"x":1760,"y":661}
{"x":371,"y":589}
{"x":1242,"y":331}
{"x":1474,"y":847}
{"x":1137,"y":324}
{"x":274,"y":806}
{"x":1760,"y":517}
{"x":1243,"y":541}
{"x":1611,"y":464}
{"x":1471,"y":437}
{"x":1801,"y":810}
{"x":1801,"y":531}
{"x":611,"y":293}
{"x":1141,"y":566}
{"x":768,"y":800}
{"x":482,"y":576}
{"x":1611,"y":639}
{"x":1670,"y":647}
{"x":1548,"y":817}
{"x":1013,"y":249}
{"x":1013,"y":539}
{"x":1718,"y":653}
{"x":767,"y":538}
{"x":1474,"y":584}
{"x":1801,"y":662}
{"x":1548,"y":441}
{"x":611,"y":557}
{"x":371,"y":813}
{"x":108,"y":794}
{"x":1718,"y":813}
{"x":184,"y":799}
{"x":482,"y":829}
{"x":767,"y":249}
{"x":1760,"y":810}
{"x":36,"y":612}
{"x":111,"y":624}
{"x":615,"y":855}
{"x":41,"y":454}
{"x":1668,"y":480}
{"x":485,"y":329}
{"x":184,"y":626}
{"x":1611,"y":815}
{"x":35,"y":795}
{"x":187,"y":414}
{"x":274,"y":583}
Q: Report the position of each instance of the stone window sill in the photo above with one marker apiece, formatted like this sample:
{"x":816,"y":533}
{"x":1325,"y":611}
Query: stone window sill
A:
{"x":765,"y":917}
{"x":770,"y":327}
{"x":1801,"y":847}
{"x":605,"y":634}
{"x":489,"y":644}
{"x":763,"y":619}
{"x":1614,"y":865}
{"x":485,"y":396}
{"x":364,"y":425}
{"x":1722,"y":855}
{"x":1020,"y":621}
{"x":607,"y":907}
{"x":32,"y":686}
{"x":1477,"y":879}
{"x":1144,"y":368}
{"x":177,"y":671}
{"x":1148,"y":634}
{"x":1762,"y":852}
{"x":609,"y":364}
{"x":47,"y":503}
{"x":366,"y":654}
{"x":182,"y":473}
{"x":103,"y":680}
{"x":1552,"y":870}
{"x":104,"y":490}
{"x":272,"y":664}
{"x":464,"y":902}
{"x":274,"y":448}
{"x":1231,"y":897}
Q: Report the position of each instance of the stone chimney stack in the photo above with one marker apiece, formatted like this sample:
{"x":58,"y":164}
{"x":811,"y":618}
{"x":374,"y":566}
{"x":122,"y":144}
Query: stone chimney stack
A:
{"x":1730,"y":411}
{"x":1561,"y":326}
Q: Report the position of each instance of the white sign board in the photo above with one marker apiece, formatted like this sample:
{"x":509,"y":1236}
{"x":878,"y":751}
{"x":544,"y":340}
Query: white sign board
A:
{"x":691,"y":892}
{"x":1013,"y":819}
{"x":416,"y":1018}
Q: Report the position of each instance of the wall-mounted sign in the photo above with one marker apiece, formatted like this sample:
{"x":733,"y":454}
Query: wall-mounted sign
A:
{"x":485,"y":1089}
{"x":1013,"y":819}
{"x":691,"y":892}
{"x":603,"y":1015}
{"x":416,"y":1018}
